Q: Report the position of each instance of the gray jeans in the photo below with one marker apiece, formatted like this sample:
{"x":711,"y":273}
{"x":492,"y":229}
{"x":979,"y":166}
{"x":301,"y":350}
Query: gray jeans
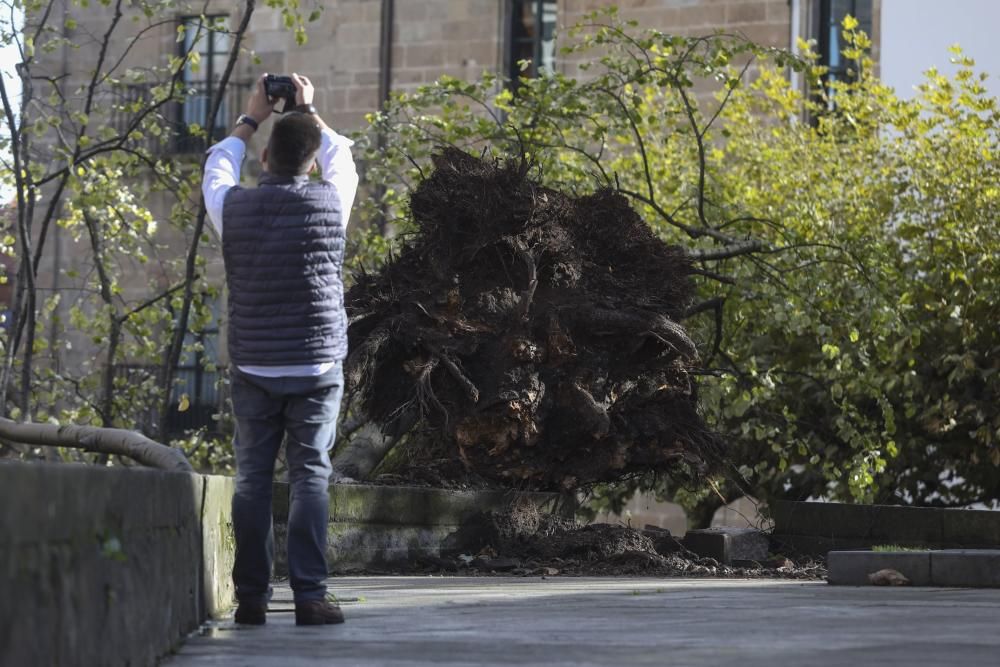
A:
{"x":304,"y":409}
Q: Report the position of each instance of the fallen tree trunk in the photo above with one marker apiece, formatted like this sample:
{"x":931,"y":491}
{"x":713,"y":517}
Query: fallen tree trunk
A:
{"x":534,"y":335}
{"x":116,"y":441}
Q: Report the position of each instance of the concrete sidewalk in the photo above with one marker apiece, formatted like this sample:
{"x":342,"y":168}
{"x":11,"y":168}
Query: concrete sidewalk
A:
{"x":572,"y":621}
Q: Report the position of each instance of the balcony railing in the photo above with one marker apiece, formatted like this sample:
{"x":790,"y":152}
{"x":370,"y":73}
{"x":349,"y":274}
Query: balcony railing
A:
{"x":179,"y":116}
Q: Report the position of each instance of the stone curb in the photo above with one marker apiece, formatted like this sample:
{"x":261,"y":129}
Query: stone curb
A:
{"x":970,"y":568}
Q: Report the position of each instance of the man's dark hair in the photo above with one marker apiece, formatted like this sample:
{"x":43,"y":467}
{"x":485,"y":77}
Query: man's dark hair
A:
{"x":293,"y":144}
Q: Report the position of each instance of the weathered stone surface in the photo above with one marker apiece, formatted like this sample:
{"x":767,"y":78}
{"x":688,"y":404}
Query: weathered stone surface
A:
{"x":596,"y":622}
{"x":420,"y":506}
{"x":970,"y":528}
{"x":98,"y":566}
{"x":851,"y":568}
{"x":354,"y":546}
{"x":906,"y":525}
{"x":663,"y":541}
{"x":818,"y":546}
{"x":726,"y":544}
{"x":829,"y":520}
{"x":218,"y":545}
{"x":376,"y":526}
{"x":965,"y":567}
{"x":814,"y":528}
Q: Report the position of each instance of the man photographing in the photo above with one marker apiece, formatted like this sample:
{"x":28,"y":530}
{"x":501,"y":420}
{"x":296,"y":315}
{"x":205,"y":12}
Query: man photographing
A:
{"x":283,"y":247}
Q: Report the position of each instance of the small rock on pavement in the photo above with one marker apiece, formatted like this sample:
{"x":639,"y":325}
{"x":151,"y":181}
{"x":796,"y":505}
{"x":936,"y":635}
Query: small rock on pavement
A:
{"x":888,"y":577}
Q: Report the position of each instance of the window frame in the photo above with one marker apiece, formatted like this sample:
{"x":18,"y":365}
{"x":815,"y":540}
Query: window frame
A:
{"x":183,"y":141}
{"x":516,"y":37}
{"x":823,"y":26}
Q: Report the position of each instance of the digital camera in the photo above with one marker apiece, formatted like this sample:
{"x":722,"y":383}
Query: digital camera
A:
{"x":280,"y":87}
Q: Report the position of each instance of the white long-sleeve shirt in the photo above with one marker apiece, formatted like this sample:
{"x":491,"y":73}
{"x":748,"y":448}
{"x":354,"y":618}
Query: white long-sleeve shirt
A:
{"x":222,"y":171}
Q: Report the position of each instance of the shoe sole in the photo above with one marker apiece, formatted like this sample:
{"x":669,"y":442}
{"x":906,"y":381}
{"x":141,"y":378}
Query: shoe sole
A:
{"x":250,"y":618}
{"x":313,"y":621}
{"x":250,"y":621}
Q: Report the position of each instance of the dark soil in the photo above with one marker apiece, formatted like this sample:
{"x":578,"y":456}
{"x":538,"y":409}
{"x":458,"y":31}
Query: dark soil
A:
{"x":528,"y":337}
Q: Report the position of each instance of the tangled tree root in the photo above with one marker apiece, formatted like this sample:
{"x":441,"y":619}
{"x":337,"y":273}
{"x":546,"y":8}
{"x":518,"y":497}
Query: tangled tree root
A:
{"x":531,"y":335}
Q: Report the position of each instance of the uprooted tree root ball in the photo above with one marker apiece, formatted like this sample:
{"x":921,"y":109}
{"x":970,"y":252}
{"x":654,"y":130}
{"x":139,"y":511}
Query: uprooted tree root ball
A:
{"x":530,"y":334}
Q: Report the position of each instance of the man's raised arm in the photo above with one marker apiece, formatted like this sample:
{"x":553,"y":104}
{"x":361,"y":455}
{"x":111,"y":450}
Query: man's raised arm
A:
{"x":222,"y":167}
{"x":334,"y":156}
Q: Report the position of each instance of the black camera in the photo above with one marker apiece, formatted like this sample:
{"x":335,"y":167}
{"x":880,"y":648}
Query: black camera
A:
{"x":280,"y":87}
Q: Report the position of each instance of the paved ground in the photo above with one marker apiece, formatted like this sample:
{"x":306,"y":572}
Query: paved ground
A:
{"x":409,"y":621}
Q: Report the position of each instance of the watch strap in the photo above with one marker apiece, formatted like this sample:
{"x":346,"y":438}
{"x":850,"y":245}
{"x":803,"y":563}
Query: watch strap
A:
{"x":244,"y":119}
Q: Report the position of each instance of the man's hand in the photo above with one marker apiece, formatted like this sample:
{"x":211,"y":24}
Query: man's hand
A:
{"x":303,"y":89}
{"x":258,"y":106}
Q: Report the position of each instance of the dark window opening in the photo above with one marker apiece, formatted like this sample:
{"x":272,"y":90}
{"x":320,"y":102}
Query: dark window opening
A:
{"x":829,"y":33}
{"x":208,"y":37}
{"x":531,"y":36}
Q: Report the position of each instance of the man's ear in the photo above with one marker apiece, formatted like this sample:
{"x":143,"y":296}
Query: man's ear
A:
{"x":312,"y":167}
{"x":263,"y":158}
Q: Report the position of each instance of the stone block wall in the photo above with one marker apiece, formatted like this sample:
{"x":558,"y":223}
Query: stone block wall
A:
{"x":373,"y":526}
{"x":108,"y":566}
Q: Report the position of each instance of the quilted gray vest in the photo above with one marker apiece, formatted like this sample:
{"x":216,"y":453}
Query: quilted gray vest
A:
{"x":283,"y":246}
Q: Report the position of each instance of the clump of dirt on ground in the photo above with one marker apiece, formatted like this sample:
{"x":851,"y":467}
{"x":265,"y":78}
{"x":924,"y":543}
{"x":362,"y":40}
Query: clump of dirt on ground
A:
{"x":530,"y":336}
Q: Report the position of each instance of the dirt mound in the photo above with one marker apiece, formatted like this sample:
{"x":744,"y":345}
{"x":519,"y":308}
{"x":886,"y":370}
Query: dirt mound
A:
{"x":529,"y":335}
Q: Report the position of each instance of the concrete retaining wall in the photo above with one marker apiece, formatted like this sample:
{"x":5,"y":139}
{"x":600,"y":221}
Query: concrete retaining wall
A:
{"x":816,"y":528}
{"x":105,"y":566}
{"x":113,"y":566}
{"x":371,"y":526}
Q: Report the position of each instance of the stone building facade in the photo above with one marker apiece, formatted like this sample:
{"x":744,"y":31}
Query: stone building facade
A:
{"x":358,"y":51}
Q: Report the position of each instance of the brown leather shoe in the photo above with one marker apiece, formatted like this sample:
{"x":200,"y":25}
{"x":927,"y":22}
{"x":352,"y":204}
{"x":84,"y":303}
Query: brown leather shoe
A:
{"x":251,"y":613}
{"x":317,"y":612}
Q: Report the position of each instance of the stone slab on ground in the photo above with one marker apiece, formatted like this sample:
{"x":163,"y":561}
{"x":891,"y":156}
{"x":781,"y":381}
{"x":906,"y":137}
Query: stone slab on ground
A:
{"x":583,"y":622}
{"x":975,"y":568}
{"x":959,"y":567}
{"x":726,"y":544}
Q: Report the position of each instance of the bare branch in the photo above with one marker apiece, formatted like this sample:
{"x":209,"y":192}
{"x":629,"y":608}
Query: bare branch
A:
{"x":734,"y":250}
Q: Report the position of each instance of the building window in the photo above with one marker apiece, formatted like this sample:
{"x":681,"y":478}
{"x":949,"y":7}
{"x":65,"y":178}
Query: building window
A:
{"x":531,"y":36}
{"x":208,"y":37}
{"x":829,"y":29}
